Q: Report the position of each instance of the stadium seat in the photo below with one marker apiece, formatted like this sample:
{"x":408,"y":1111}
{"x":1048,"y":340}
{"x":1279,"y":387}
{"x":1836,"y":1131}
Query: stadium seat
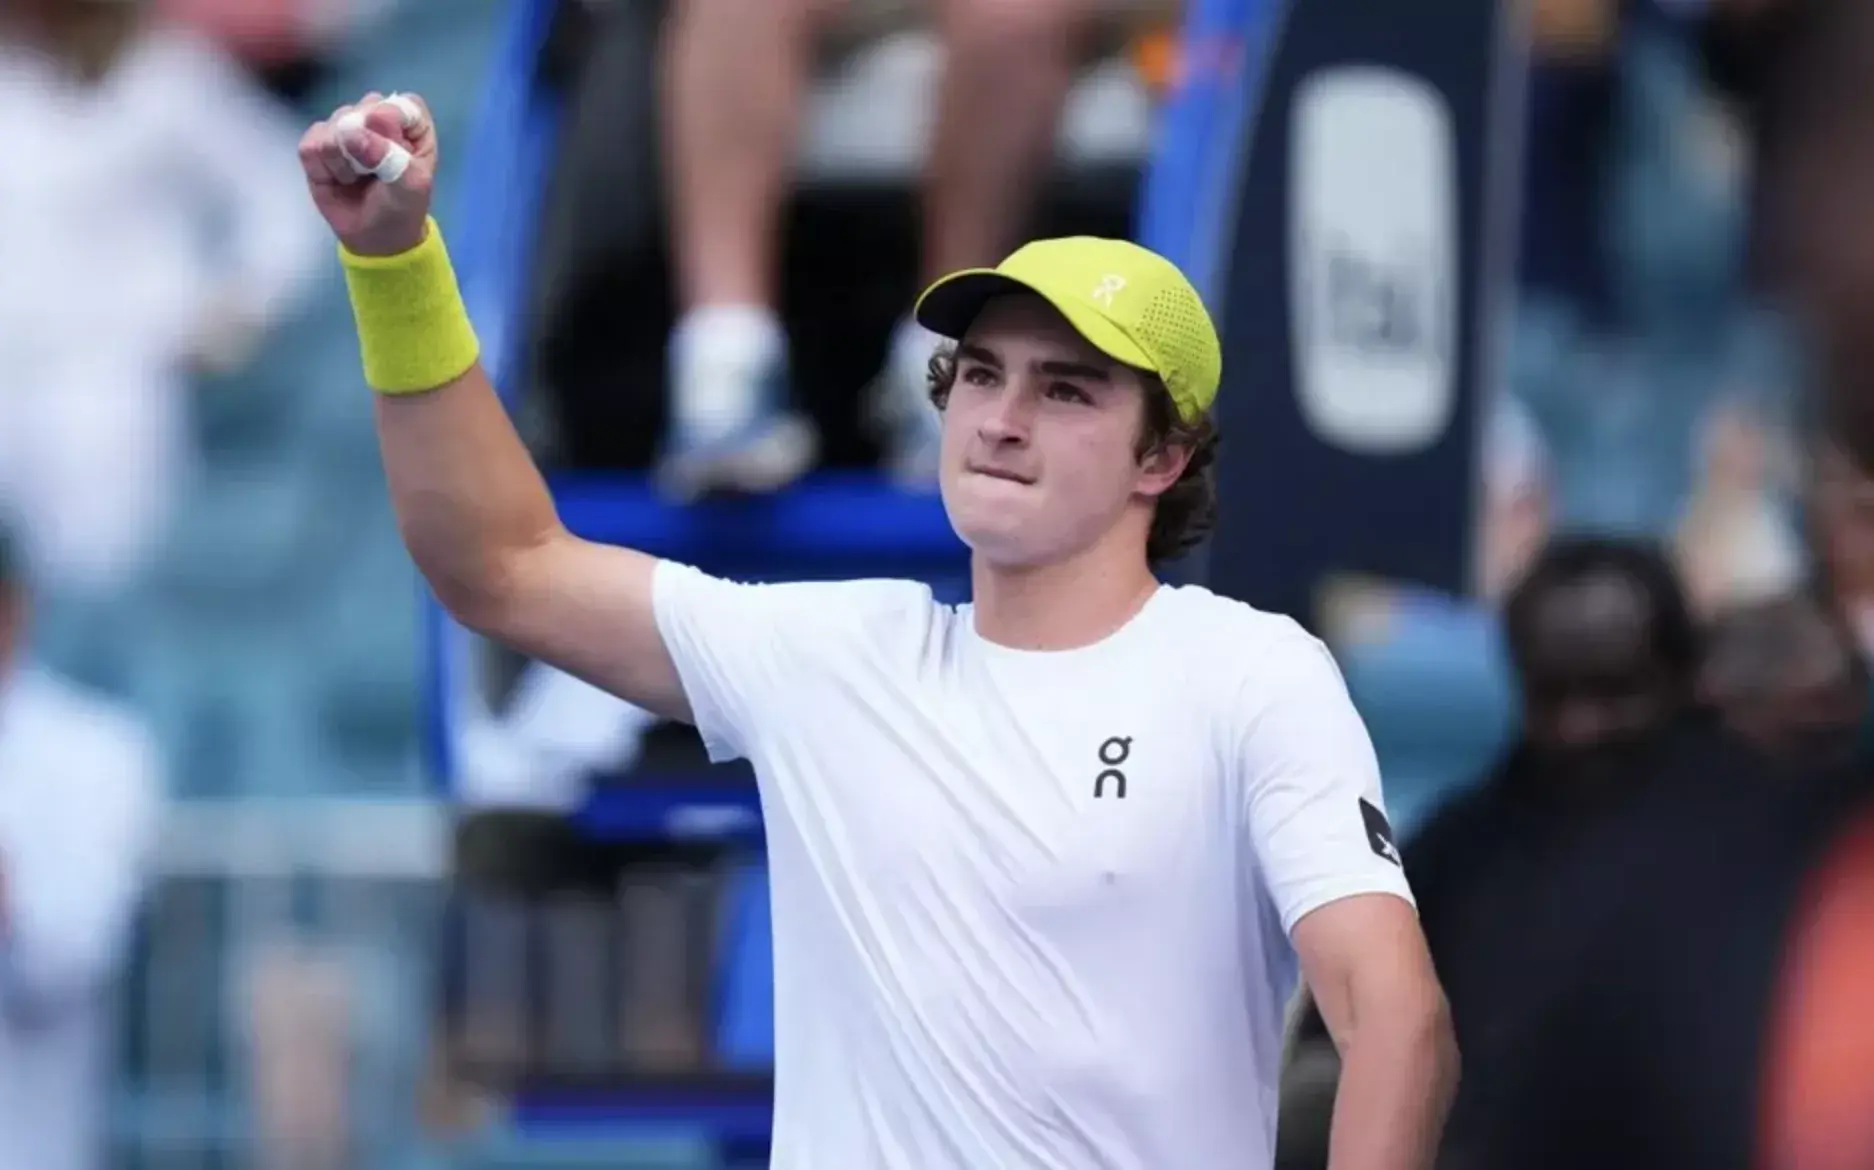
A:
{"x":745,"y":1003}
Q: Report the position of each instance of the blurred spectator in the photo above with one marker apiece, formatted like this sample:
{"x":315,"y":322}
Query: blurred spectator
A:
{"x":80,"y":782}
{"x":1633,"y":330}
{"x":1788,"y":677}
{"x":1734,"y":545}
{"x":1605,"y":651}
{"x":153,"y":225}
{"x":1803,"y":73}
{"x":1518,"y":499}
{"x":1572,"y":88}
{"x":1519,"y":880}
{"x":289,"y":44}
{"x":1819,"y":1084}
{"x":735,"y":82}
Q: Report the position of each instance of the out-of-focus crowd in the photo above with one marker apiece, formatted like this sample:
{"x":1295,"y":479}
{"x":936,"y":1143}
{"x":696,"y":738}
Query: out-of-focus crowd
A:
{"x":1631,"y":767}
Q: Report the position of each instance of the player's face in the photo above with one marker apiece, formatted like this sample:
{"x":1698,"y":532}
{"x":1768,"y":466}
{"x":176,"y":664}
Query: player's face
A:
{"x":1040,"y":446}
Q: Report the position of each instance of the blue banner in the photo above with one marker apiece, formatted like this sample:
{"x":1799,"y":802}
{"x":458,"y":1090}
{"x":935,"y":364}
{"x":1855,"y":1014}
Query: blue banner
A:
{"x":1339,"y":178}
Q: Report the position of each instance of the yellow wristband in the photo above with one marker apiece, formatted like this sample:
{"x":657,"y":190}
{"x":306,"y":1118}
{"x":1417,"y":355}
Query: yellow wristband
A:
{"x":413,"y":330}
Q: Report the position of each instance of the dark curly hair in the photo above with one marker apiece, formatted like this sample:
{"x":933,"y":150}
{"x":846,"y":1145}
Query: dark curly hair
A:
{"x":1187,"y":510}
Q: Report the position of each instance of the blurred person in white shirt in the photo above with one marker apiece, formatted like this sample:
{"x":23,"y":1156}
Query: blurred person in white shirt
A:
{"x":150,"y":234}
{"x":80,"y":785}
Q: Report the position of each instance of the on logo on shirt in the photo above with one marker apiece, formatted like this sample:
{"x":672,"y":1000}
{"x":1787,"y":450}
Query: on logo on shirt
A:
{"x":1114,"y":752}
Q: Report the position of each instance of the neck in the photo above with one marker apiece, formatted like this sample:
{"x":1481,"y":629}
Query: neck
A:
{"x":1060,"y":606}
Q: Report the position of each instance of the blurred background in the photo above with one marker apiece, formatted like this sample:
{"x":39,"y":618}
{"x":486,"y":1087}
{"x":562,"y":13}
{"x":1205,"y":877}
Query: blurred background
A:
{"x":1547,"y":403}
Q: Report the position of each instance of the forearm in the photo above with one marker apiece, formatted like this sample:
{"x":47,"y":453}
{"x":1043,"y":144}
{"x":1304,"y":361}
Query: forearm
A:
{"x":468,"y":497}
{"x":1396,"y":1083}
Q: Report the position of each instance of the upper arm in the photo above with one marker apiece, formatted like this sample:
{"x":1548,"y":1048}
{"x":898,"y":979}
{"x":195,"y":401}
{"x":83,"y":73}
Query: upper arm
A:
{"x":1311,"y":787}
{"x":590,"y":609}
{"x":1366,"y":956}
{"x":678,"y":642}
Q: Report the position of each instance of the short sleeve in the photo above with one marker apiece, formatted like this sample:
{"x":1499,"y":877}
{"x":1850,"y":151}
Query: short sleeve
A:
{"x":1311,"y":787}
{"x":747,"y":654}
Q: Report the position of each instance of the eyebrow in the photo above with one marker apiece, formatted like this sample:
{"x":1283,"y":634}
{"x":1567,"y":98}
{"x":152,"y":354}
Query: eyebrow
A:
{"x":1084,"y":371}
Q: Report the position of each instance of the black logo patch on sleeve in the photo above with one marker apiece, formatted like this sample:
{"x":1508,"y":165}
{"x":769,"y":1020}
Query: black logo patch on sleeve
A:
{"x":1379,"y":832}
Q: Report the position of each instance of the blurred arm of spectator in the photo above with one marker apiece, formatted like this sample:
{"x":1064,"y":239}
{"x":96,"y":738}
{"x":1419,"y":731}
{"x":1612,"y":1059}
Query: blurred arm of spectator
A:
{"x":239,"y":146}
{"x":1733,"y":546}
{"x":75,"y":842}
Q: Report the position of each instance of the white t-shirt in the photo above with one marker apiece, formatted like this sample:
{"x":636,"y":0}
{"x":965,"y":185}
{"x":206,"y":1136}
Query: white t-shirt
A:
{"x":1030,"y":909}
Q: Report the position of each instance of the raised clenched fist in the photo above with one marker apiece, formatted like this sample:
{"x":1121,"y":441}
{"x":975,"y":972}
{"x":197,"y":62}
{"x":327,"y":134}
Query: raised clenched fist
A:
{"x":372,"y":168}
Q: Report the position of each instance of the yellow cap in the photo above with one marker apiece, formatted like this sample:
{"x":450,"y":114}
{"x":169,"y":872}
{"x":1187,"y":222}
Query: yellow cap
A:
{"x":1131,"y":304}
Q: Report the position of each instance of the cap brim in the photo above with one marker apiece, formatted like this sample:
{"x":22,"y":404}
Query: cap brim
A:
{"x":951,"y":305}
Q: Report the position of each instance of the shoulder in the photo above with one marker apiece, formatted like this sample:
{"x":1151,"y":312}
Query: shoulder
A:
{"x":1250,"y":658}
{"x":1225,"y":624}
{"x":826,"y":613}
{"x":860,"y":601}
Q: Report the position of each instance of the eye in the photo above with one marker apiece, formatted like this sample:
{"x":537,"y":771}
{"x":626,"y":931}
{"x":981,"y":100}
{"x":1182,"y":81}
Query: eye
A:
{"x":979,"y":376}
{"x":1068,"y":392}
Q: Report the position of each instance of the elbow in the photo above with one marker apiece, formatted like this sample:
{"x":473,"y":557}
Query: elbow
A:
{"x":478,"y":602}
{"x":484,"y":593}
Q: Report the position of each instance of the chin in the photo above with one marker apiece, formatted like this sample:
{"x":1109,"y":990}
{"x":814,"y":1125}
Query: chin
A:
{"x":987,"y":533}
{"x":993,"y":531}
{"x":1006,"y":541}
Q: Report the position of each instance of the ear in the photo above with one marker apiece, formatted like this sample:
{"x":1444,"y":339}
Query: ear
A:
{"x":1161,"y":466}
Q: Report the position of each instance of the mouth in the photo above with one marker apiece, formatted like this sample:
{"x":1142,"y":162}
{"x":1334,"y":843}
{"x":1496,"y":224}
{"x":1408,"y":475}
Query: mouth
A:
{"x":996,"y":473}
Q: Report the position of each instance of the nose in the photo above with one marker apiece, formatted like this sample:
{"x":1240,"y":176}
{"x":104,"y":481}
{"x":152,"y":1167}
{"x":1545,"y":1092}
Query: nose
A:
{"x":1005,"y":421}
